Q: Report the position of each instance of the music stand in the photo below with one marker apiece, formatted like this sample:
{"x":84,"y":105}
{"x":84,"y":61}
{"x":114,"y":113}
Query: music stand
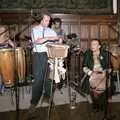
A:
{"x":55,"y":52}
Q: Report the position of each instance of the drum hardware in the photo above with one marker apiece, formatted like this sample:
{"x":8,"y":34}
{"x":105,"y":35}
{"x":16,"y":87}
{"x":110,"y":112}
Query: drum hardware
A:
{"x":73,"y":101}
{"x":107,"y":116}
{"x":16,"y":88}
{"x":2,"y":89}
{"x":77,"y":87}
{"x":55,"y":52}
{"x":115,"y":59}
{"x":11,"y":70}
{"x":116,"y":79}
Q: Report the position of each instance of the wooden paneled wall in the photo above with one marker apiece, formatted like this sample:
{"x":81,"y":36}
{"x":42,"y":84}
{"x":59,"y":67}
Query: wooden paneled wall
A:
{"x":101,"y":27}
{"x":86,"y":27}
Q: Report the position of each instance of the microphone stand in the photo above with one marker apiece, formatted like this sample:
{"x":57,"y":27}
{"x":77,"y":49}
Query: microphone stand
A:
{"x":108,"y":79}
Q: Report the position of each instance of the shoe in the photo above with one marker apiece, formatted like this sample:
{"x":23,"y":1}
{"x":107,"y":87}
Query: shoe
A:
{"x":45,"y":99}
{"x":30,"y":112}
{"x":94,"y":108}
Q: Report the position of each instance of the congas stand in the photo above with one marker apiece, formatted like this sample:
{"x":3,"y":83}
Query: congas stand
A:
{"x":55,"y":52}
{"x":16,"y":87}
{"x":9,"y":73}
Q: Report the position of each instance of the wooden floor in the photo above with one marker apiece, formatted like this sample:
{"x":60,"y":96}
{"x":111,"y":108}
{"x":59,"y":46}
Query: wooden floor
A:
{"x":83,"y":111}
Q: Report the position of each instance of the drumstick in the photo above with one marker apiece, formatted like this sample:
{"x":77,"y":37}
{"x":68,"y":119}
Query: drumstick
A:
{"x":46,"y":42}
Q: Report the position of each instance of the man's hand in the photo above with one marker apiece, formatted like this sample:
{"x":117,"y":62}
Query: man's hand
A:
{"x":40,"y":40}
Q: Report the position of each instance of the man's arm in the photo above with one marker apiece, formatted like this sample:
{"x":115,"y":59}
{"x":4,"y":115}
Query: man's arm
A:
{"x":38,"y":38}
{"x":11,"y":43}
{"x":86,"y":68}
{"x":42,"y":40}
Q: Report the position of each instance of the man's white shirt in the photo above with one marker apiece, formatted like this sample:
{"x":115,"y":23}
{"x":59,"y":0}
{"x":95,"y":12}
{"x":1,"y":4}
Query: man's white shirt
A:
{"x":37,"y":32}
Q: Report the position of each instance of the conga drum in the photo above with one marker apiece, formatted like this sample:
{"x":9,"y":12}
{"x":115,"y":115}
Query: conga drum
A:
{"x":115,"y":57}
{"x":7,"y":67}
{"x":98,"y":81}
{"x":20,"y":64}
{"x":57,"y":50}
{"x":115,"y":62}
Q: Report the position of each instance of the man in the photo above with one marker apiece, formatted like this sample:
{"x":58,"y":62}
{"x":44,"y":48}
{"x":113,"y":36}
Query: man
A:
{"x":5,"y":41}
{"x":57,"y":27}
{"x":40,"y":35}
{"x":97,"y":63}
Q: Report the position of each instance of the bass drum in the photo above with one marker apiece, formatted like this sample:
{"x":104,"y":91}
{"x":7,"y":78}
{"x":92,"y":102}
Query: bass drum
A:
{"x":7,"y":67}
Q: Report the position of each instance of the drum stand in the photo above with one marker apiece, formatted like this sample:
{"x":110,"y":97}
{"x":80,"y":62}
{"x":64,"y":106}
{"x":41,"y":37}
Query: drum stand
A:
{"x":55,"y":51}
{"x":106,"y":116}
{"x":53,"y":87}
{"x":106,"y":100}
{"x":17,"y":101}
{"x":16,"y":87}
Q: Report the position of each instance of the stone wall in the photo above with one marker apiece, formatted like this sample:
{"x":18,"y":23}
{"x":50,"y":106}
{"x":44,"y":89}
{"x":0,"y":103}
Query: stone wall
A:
{"x":66,"y":6}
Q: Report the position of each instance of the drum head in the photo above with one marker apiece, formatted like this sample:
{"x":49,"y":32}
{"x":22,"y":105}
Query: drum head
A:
{"x":6,"y":49}
{"x":57,"y":50}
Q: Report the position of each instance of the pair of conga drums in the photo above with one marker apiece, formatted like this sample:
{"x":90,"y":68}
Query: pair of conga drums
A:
{"x":12,"y":65}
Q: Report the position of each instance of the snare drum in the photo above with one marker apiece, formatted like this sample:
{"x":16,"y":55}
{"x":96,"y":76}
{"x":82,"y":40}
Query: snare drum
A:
{"x":57,"y":50}
{"x":7,"y":66}
{"x":20,"y":64}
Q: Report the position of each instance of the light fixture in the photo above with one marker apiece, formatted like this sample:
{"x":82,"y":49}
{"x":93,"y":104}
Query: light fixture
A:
{"x":115,"y":6}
